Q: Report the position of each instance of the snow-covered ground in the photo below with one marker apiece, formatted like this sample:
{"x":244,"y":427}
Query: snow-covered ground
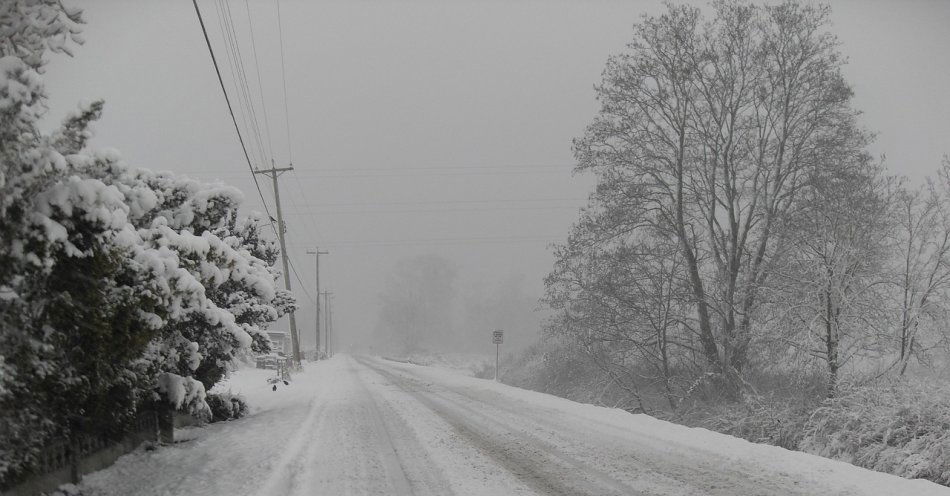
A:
{"x":357,"y":425}
{"x":466,"y":363}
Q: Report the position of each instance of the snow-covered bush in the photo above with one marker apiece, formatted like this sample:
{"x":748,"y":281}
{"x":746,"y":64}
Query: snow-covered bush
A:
{"x":224,"y":293}
{"x":900,"y":428}
{"x":119,"y":287}
{"x":765,"y":419}
{"x":226,"y":406}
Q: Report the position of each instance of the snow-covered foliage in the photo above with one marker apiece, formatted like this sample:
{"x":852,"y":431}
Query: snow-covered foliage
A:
{"x":226,"y":406}
{"x":119,"y":287}
{"x":30,"y":28}
{"x":897,"y":428}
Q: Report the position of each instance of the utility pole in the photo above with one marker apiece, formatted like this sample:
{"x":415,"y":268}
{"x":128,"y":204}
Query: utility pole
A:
{"x":327,"y":321}
{"x":316,"y":252}
{"x":273,"y":172}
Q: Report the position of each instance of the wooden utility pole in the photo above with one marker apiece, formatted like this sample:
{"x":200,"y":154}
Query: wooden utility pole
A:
{"x":273,"y":172}
{"x":327,"y":317}
{"x":316,"y":252}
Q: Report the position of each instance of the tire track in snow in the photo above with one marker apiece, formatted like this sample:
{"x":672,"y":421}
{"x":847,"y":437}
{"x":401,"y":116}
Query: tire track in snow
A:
{"x":649,"y":465}
{"x":395,"y":471}
{"x":537,"y":463}
{"x":355,"y":445}
{"x":290,"y":466}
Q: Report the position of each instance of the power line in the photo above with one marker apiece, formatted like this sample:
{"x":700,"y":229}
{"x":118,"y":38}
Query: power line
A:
{"x":445,"y":173}
{"x":303,"y":198}
{"x":235,"y":79}
{"x":236,"y":58}
{"x":433,"y":210}
{"x":240,"y":69}
{"x":224,"y":91}
{"x":465,"y":240}
{"x":260,"y":85}
{"x":283,"y":75}
{"x":303,"y":286}
{"x":423,"y":171}
{"x":443,"y":202}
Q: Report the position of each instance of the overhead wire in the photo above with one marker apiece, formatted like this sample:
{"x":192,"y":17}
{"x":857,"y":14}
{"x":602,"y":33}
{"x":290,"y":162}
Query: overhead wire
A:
{"x":308,"y":215}
{"x":443,"y":241}
{"x":300,"y":281}
{"x":290,"y":160}
{"x":260,"y":85}
{"x":238,"y":68}
{"x":445,"y":202}
{"x":244,"y":93}
{"x":229,"y":57}
{"x":290,"y":155}
{"x":427,"y":171}
{"x":237,"y":129}
{"x":436,"y":210}
{"x":283,"y":75}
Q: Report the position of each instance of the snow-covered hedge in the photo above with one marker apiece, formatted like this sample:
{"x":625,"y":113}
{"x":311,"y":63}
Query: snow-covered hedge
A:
{"x":120,"y":288}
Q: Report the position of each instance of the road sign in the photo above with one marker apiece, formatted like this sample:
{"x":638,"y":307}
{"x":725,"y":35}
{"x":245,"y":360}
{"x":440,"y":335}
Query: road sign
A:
{"x":497,"y":337}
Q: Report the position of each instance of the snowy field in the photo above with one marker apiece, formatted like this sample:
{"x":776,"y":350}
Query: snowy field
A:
{"x":361,"y":426}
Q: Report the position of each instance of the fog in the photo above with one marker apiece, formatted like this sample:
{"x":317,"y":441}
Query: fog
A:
{"x":431,"y":140}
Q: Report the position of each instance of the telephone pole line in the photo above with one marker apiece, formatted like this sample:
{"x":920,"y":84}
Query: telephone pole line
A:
{"x":329,"y":324}
{"x":327,"y":316}
{"x":316,"y":252}
{"x":273,"y":172}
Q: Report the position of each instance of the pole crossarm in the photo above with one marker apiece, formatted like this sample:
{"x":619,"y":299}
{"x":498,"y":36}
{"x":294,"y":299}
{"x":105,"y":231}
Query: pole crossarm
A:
{"x":273,"y":170}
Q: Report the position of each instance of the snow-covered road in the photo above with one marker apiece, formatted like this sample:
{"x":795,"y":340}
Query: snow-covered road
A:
{"x":360,"y":426}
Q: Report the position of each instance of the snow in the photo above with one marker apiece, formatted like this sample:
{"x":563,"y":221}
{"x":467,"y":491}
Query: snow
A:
{"x":466,"y":363}
{"x":19,"y":84}
{"x":182,"y":390}
{"x":354,"y":425}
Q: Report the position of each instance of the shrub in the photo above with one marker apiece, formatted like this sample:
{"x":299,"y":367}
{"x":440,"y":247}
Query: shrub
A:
{"x":899,"y":428}
{"x":226,"y":406}
{"x":760,"y":419}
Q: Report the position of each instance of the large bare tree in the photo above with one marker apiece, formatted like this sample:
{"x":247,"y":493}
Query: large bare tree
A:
{"x":708,"y":134}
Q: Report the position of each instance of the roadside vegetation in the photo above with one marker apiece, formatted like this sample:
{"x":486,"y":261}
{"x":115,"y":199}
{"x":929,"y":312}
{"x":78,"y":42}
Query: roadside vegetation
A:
{"x":744,"y":264}
{"x":121,"y":289}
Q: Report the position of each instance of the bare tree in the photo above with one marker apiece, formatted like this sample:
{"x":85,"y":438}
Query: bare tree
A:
{"x":835,"y":279}
{"x":708,"y":134}
{"x":627,"y":304}
{"x":922,"y":273}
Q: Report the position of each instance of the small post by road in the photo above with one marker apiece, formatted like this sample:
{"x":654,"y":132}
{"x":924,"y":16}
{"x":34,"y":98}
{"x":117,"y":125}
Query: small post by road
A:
{"x":497,"y":337}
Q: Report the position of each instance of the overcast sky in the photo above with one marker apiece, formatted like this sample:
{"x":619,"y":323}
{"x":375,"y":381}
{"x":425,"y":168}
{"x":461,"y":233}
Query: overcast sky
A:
{"x":433,"y":126}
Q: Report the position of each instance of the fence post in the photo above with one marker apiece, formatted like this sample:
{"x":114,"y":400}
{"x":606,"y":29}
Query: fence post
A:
{"x":74,"y":452}
{"x":166,"y":425}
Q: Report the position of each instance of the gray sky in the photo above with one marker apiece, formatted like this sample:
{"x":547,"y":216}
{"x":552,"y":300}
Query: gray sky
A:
{"x":443,"y":120}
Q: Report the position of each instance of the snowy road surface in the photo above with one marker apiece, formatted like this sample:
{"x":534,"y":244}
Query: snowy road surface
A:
{"x":366,"y":426}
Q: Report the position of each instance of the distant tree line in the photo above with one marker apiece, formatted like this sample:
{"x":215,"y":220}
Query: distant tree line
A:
{"x":120,"y":288}
{"x":424,"y":307}
{"x":739,"y":224}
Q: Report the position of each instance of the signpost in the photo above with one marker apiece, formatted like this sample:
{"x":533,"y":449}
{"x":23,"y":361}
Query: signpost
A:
{"x":497,"y":337}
